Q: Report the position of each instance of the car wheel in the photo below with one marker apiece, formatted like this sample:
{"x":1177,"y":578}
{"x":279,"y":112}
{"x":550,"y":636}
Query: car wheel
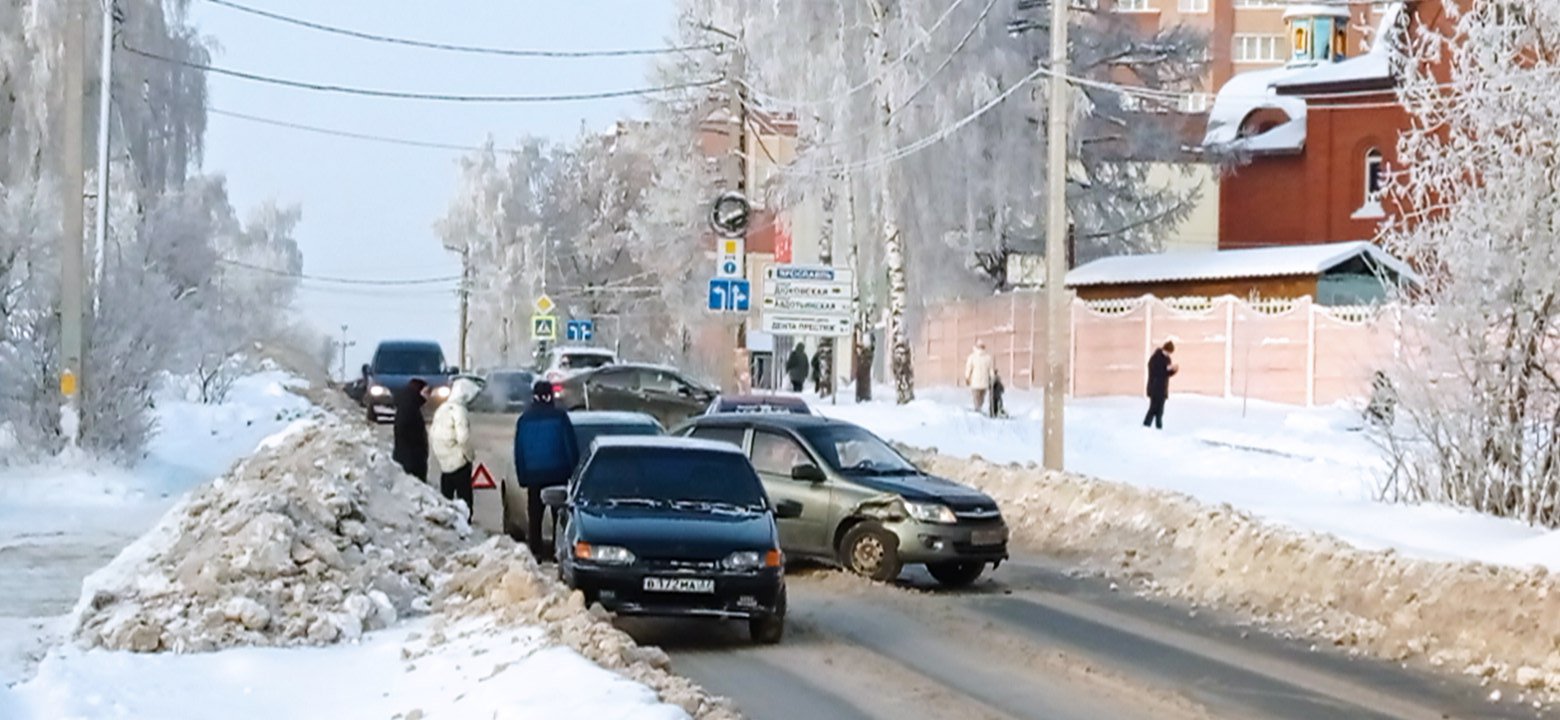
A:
{"x":871,"y":551}
{"x":768,"y":629}
{"x":956,"y":574}
{"x":511,"y":528}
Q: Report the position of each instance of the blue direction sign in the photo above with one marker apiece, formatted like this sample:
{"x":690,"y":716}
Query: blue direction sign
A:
{"x":580,"y":330}
{"x":730,"y":295}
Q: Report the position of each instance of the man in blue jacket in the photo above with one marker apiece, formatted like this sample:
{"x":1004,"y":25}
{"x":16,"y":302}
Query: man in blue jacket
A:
{"x":546,"y":452}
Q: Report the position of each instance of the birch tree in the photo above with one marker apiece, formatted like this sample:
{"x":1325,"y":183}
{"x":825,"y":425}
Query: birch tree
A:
{"x":1479,"y":380}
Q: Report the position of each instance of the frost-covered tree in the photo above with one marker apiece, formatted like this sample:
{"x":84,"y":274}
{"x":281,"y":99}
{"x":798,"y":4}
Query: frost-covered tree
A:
{"x":1479,"y":407}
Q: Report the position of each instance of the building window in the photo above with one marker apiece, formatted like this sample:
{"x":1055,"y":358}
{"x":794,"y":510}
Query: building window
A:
{"x":1194,"y":103}
{"x":1132,"y":5}
{"x":1374,"y":176}
{"x":1259,"y":48}
{"x":1194,"y":6}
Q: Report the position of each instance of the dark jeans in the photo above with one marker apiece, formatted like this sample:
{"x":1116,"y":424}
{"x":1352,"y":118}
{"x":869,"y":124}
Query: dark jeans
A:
{"x":533,"y":523}
{"x":457,"y":484}
{"x":796,"y":385}
{"x":1156,"y":413}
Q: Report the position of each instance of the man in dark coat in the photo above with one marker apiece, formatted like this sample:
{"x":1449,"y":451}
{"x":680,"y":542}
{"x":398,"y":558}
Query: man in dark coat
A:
{"x":411,"y":435}
{"x":1159,"y":371}
{"x":546,"y":452}
{"x":796,"y":367}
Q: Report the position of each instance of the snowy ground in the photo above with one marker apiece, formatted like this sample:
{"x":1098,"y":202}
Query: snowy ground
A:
{"x":1310,"y":469}
{"x":478,"y":670}
{"x":60,"y":522}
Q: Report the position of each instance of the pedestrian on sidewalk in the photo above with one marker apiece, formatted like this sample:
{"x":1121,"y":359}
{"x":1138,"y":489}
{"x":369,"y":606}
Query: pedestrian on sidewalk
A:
{"x":451,"y":436}
{"x":796,"y":368}
{"x":1160,"y":368}
{"x":998,"y":410}
{"x":822,"y":370}
{"x":546,"y":452}
{"x":979,"y":369}
{"x":411,"y":435}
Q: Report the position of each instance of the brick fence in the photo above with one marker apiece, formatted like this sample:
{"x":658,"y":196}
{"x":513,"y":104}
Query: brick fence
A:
{"x":1289,"y":351}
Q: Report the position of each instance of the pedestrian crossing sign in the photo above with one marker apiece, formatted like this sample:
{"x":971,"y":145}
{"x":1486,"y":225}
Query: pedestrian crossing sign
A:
{"x":544,"y":327}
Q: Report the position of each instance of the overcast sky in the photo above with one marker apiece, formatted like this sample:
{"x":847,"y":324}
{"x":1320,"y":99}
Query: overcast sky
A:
{"x":369,"y":208}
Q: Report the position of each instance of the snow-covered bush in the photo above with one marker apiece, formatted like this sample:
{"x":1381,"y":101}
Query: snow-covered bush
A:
{"x":1479,"y":388}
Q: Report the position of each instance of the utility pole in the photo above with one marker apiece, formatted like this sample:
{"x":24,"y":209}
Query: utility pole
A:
{"x":740,"y":170}
{"x":345,"y":343}
{"x":1056,"y":326}
{"x":105,"y":108}
{"x":73,"y":205}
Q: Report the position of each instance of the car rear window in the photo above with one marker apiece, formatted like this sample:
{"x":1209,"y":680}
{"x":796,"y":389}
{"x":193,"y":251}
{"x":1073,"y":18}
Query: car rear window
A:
{"x":586,"y":434}
{"x":671,"y":475}
{"x":584,"y":361}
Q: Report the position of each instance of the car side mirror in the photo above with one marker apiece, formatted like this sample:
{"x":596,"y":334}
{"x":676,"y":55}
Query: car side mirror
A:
{"x":808,"y":473}
{"x":366,"y":373}
{"x":788,"y":509}
{"x":454,"y":370}
{"x":555,"y":497}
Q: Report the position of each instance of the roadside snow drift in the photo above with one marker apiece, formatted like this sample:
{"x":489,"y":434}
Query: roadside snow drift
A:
{"x":1495,"y":622}
{"x":318,"y":536}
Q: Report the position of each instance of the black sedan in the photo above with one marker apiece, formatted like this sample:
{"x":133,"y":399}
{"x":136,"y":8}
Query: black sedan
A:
{"x":673,"y":527}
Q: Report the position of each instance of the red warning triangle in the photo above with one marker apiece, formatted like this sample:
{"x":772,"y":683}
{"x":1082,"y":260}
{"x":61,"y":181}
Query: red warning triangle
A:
{"x":481,"y":479}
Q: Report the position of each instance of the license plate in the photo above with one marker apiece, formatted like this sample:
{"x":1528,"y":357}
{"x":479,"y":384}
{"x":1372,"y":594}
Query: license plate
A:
{"x":987,"y":537}
{"x":679,"y":585}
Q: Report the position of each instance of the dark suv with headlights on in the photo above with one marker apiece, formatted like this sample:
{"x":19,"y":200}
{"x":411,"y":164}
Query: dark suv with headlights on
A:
{"x":863,"y":505}
{"x":673,"y":527}
{"x":398,"y":362}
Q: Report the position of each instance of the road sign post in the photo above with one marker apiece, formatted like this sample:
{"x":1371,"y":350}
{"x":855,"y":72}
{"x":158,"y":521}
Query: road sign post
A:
{"x":730,"y":295}
{"x":580,"y":330}
{"x":544,"y":327}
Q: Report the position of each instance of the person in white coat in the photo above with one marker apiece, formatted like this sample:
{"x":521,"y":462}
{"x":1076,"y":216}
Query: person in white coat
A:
{"x":450,"y":436}
{"x":979,"y":370}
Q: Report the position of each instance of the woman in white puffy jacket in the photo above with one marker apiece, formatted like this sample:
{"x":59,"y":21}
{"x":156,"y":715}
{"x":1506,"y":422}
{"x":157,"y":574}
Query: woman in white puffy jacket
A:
{"x":450,"y":436}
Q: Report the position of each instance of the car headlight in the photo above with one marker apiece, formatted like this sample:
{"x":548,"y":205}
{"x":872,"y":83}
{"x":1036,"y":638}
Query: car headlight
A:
{"x":442,"y":392}
{"x":379,"y":391}
{"x":752,"y":560}
{"x":604,"y":554}
{"x":930,"y":512}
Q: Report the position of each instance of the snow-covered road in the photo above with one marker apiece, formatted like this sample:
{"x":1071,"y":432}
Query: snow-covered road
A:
{"x":1028,"y":642}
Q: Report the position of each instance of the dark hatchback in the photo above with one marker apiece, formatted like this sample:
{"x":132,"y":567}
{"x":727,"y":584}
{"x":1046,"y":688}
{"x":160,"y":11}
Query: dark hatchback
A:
{"x":673,"y":527}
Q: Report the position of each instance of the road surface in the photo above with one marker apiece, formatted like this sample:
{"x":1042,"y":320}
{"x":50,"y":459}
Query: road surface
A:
{"x":1028,"y":641}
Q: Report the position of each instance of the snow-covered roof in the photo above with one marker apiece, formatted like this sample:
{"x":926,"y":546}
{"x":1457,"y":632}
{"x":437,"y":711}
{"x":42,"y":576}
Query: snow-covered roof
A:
{"x":1317,"y":10}
{"x":1286,"y":138}
{"x":1244,"y":94}
{"x":1226,"y":264}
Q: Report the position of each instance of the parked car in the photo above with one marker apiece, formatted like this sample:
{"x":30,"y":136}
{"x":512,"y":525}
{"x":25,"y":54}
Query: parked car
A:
{"x":758,"y":404}
{"x":863,"y":505}
{"x":398,"y":362}
{"x":564,"y":362}
{"x":673,"y":527}
{"x":505,"y":391}
{"x":356,"y":390}
{"x":660,"y":392}
{"x":588,"y":426}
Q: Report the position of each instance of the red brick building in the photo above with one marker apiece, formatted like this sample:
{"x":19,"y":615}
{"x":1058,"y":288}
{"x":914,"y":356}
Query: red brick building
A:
{"x":1314,"y":138}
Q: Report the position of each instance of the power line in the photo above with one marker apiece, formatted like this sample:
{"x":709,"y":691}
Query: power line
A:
{"x":341,"y":280}
{"x":407,"y":142}
{"x":470,"y":49}
{"x":399,"y":95}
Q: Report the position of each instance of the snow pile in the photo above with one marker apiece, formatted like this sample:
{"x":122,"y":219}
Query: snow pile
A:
{"x":317,"y":537}
{"x":1500,"y":623}
{"x":500,"y":579}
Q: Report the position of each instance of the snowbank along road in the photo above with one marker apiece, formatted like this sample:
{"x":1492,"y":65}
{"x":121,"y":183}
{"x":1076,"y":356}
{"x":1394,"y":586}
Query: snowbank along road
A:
{"x":1033,"y":640}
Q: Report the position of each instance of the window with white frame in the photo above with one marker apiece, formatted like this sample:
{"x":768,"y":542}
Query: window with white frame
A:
{"x":1260,"y":49}
{"x":1131,"y":5}
{"x":1194,"y":6}
{"x":1375,"y":176}
{"x":1194,"y":103}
